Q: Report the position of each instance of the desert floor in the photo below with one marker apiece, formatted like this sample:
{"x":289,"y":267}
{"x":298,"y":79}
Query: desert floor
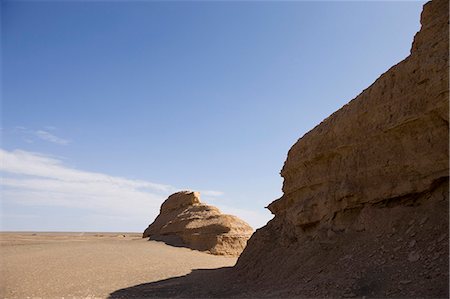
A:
{"x":80,"y":265}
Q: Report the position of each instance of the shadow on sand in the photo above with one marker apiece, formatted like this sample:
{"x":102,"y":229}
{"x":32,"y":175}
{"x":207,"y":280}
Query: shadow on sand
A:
{"x":174,"y":241}
{"x":200,"y":283}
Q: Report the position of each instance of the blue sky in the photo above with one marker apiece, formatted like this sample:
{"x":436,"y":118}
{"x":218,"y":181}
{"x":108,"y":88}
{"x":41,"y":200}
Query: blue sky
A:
{"x":110,"y":106}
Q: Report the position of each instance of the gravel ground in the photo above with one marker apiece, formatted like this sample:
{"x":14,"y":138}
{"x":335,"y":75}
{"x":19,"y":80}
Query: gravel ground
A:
{"x":81,"y":265}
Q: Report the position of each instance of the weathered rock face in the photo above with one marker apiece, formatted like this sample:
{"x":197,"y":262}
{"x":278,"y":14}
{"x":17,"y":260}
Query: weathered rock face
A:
{"x":365,"y":204}
{"x":185,"y":221}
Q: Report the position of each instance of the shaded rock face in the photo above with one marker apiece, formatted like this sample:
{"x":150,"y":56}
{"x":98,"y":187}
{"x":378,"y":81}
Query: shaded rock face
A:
{"x":364,"y":209}
{"x":185,"y":221}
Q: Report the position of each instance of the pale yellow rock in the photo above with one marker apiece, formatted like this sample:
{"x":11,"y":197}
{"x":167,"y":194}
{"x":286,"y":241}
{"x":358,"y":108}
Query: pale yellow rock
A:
{"x":185,"y":221}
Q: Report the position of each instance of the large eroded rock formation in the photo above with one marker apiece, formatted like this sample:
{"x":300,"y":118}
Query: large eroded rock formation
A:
{"x":185,"y":221}
{"x":365,"y":203}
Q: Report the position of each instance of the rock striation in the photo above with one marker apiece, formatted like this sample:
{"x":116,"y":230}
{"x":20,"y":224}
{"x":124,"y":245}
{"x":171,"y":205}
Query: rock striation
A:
{"x":185,"y":221}
{"x":364,"y":210}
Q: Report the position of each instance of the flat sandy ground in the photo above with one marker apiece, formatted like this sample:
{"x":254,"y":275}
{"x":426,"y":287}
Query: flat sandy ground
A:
{"x":81,"y":265}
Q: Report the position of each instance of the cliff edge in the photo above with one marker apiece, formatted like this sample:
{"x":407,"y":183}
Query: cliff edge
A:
{"x":364,"y":210}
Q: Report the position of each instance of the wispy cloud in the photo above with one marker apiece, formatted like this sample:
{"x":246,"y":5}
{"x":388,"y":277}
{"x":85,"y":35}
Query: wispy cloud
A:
{"x":33,"y":180}
{"x":212,"y":193}
{"x":30,"y":135}
{"x":44,"y":135}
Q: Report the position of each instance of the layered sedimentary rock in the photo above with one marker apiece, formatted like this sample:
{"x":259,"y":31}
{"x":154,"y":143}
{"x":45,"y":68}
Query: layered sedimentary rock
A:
{"x":364,"y":209}
{"x":185,"y":221}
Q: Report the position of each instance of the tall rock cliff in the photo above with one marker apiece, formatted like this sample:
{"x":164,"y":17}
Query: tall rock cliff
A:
{"x":364,"y":209}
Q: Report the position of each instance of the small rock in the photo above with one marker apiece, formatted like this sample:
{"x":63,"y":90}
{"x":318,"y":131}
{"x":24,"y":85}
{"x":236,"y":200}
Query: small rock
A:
{"x":409,"y":230}
{"x":330,"y":233}
{"x":405,"y":281}
{"x":349,"y":295}
{"x":411,"y":222}
{"x":423,"y":220}
{"x":413,"y":256}
{"x":412,"y":243}
{"x":397,"y":248}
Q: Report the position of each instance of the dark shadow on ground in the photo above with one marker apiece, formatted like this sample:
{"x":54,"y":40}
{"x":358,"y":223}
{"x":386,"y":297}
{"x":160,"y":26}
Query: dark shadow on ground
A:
{"x":200,"y":283}
{"x":174,"y":241}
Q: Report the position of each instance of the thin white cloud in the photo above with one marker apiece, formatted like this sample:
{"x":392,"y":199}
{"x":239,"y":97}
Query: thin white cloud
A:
{"x":44,"y":135}
{"x":31,"y":179}
{"x":211,"y":193}
{"x":30,"y":135}
{"x":34,"y":164}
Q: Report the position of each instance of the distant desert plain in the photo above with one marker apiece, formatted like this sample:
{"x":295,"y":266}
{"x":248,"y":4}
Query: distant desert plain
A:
{"x":90,"y":265}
